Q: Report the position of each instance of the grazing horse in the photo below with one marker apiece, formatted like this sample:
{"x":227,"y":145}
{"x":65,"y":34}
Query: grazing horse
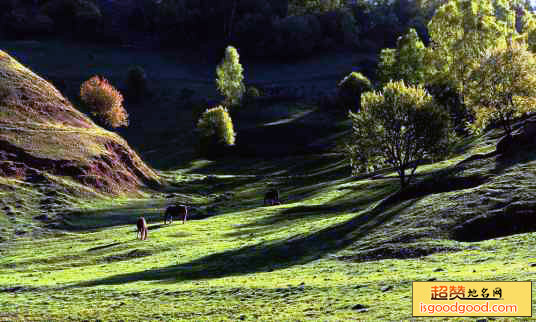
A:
{"x":272,"y":198}
{"x":142,"y":228}
{"x":177,"y":211}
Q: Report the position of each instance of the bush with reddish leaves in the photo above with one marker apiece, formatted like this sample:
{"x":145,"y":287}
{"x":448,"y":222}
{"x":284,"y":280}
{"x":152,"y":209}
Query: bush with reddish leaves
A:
{"x":104,"y":101}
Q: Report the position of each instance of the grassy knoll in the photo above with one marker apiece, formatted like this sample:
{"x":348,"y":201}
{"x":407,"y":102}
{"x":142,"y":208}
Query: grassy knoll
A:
{"x":333,"y":244}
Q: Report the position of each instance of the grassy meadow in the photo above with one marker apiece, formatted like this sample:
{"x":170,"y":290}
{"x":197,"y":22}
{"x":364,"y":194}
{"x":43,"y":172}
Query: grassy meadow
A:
{"x":338,"y":247}
{"x":334,"y":250}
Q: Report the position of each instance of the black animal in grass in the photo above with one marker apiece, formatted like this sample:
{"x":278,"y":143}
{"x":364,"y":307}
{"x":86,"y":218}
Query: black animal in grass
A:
{"x":272,"y":198}
{"x":178,"y":211}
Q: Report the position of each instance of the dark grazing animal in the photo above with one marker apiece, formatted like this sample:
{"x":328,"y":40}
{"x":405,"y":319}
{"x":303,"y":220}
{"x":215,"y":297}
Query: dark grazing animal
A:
{"x":272,"y":198}
{"x":180,"y":211}
{"x":142,"y":228}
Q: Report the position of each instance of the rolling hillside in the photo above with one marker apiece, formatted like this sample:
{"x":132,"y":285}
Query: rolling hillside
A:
{"x":337,"y":248}
{"x":49,"y":149}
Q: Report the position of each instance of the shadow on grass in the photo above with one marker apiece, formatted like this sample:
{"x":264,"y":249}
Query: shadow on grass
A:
{"x":92,"y":222}
{"x":103,"y":247}
{"x":290,"y":216}
{"x":300,"y":249}
{"x":506,"y":161}
{"x":265,"y":257}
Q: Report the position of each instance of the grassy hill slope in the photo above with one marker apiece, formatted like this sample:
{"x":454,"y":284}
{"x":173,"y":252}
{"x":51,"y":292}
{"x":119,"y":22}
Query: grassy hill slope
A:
{"x":50,"y":151}
{"x":338,"y":248}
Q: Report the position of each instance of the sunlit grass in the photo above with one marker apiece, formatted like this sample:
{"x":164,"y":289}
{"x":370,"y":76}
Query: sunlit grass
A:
{"x":205,"y":270}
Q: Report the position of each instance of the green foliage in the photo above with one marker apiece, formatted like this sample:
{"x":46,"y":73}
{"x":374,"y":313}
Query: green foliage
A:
{"x":105,"y":101}
{"x":253,"y":92}
{"x":398,"y":126}
{"x":503,"y":87}
{"x":300,"y":7}
{"x":405,"y":62}
{"x":350,"y":89}
{"x":136,"y":83}
{"x":387,"y":67}
{"x":216,"y":129}
{"x":230,"y":80}
{"x":355,"y":82}
{"x":461,"y":32}
{"x":529,"y":28}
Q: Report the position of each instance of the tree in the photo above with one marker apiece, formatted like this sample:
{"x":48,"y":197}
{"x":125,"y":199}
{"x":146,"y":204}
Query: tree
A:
{"x":105,"y":101}
{"x":350,"y":89}
{"x":216,"y":130}
{"x":503,"y":87}
{"x":405,"y":62}
{"x":399,"y":127}
{"x":230,"y":81}
{"x":461,"y":31}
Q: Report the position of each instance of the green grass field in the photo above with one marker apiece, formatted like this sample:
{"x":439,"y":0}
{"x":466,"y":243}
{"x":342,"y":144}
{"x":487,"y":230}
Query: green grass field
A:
{"x":332,"y":244}
{"x":338,"y":247}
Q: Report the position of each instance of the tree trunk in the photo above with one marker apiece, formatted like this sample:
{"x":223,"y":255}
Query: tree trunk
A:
{"x":402,"y":175}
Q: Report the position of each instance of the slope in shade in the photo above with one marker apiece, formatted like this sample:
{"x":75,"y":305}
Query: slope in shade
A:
{"x":41,"y":132}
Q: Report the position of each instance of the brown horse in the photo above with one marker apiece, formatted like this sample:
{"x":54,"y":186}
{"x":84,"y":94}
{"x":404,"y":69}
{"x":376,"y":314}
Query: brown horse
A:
{"x":180,"y":211}
{"x":142,"y":228}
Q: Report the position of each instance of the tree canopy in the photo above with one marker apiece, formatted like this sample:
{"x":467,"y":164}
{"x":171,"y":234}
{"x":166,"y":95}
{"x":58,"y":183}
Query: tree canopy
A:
{"x":503,"y":86}
{"x":405,"y":62}
{"x":398,"y":126}
{"x":230,"y":78}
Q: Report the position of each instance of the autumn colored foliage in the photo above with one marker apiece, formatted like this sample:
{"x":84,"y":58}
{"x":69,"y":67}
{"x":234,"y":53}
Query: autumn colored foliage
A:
{"x":105,"y":101}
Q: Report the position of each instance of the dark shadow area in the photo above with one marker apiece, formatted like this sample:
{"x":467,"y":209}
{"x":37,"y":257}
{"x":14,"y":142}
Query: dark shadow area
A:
{"x":398,"y":251}
{"x":440,"y":184}
{"x":294,"y":137}
{"x":267,"y":225}
{"x":103,"y":247}
{"x":285,"y":217}
{"x":504,"y":162}
{"x":478,"y":156}
{"x":93,"y":222}
{"x":211,"y":184}
{"x":22,"y":289}
{"x":515,"y":218}
{"x":136,"y":253}
{"x":155,"y":227}
{"x":282,"y":167}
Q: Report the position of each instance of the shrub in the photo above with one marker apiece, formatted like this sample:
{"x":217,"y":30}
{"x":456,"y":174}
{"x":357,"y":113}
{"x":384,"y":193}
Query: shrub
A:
{"x":350,"y":89}
{"x":230,"y":81}
{"x":405,"y":62}
{"x":136,"y":83}
{"x":503,"y":87}
{"x":398,"y":127}
{"x":216,"y":130}
{"x":253,"y":92}
{"x":104,"y":101}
